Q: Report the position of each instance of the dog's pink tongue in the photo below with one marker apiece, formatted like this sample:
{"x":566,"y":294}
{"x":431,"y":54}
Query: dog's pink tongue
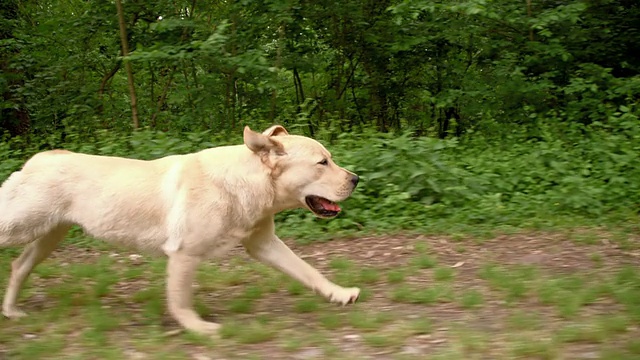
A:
{"x":328,"y":205}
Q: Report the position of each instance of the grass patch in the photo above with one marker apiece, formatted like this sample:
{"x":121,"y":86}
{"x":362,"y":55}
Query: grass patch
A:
{"x":251,"y":332}
{"x":307,"y":305}
{"x":471,"y":299}
{"x":513,"y":282}
{"x":331,"y":321}
{"x":576,"y":333}
{"x":424,"y":261}
{"x":539,"y":349}
{"x":396,"y":276}
{"x":368,"y":321}
{"x":421,"y":326}
{"x":443,"y":273}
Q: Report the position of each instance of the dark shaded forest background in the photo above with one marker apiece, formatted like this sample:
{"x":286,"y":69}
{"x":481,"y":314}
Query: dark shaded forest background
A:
{"x":468,"y":111}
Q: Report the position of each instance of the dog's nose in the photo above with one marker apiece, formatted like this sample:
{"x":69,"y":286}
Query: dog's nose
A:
{"x":354,"y":180}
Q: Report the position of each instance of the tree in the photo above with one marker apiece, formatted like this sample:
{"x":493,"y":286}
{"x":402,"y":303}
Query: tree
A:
{"x":127,"y":64}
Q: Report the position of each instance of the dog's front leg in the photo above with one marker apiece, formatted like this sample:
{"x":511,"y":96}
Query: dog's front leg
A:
{"x":181,"y":270}
{"x":270,"y":250}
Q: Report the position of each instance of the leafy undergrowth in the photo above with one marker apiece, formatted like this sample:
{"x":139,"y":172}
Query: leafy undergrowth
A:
{"x":562,"y":295}
{"x":542,"y":177}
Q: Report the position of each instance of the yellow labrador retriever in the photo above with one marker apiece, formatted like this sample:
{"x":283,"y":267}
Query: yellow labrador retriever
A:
{"x":191,"y":207}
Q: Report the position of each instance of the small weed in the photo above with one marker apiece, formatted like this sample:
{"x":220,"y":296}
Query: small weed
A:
{"x":102,"y":320}
{"x":458,"y":237}
{"x":102,"y":285}
{"x":295,"y":288}
{"x":369,"y":275}
{"x":146,"y":294}
{"x":331,"y":321}
{"x":401,"y":294}
{"x":421,"y":326}
{"x":624,"y":242}
{"x":196,"y":339}
{"x":443,"y":273}
{"x":421,"y":247}
{"x":292,"y":344}
{"x":241,"y":305}
{"x":368,"y":321}
{"x":548,"y":292}
{"x":571,"y":283}
{"x":633,"y":347}
{"x":253,"y":293}
{"x":39,"y":348}
{"x":541,"y":349}
{"x":47,"y":271}
{"x":513,"y":282}
{"x":615,"y":324}
{"x":426,"y":296}
{"x":596,"y":259}
{"x":340,"y":263}
{"x":132,"y":273}
{"x":473,"y":342}
{"x":580,"y":333}
{"x":424,"y":261}
{"x":569,"y":306}
{"x":585,"y":238}
{"x":430,"y":295}
{"x":522,"y":320}
{"x":306,"y":305}
{"x":395,"y":276}
{"x":365,"y":295}
{"x":233,"y":278}
{"x":84,"y":271}
{"x":248,"y":333}
{"x":471,"y":299}
{"x":379,"y":340}
{"x":153,"y":309}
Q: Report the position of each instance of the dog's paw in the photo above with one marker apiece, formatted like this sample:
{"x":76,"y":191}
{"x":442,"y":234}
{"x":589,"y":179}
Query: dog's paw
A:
{"x":13,"y":313}
{"x":344,"y":296}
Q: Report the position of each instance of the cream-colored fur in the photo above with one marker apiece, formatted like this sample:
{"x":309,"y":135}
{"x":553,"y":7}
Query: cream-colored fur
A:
{"x":189,"y":207}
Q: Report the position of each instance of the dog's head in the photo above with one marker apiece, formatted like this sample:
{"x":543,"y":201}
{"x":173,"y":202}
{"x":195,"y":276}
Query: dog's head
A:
{"x":303,"y":172}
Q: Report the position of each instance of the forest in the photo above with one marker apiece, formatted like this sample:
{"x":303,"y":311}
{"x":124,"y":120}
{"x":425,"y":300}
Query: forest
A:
{"x":497,"y":144}
{"x":515,"y":113}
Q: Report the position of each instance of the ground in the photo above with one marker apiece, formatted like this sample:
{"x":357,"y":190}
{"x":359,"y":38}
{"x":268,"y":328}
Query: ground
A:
{"x":548,"y":295}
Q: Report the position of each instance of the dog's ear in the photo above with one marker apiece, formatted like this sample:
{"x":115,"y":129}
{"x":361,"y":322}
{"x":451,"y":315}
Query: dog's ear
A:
{"x":261,"y":143}
{"x":275,"y":130}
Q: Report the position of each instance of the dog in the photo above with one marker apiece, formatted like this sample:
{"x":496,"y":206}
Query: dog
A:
{"x":189,"y":207}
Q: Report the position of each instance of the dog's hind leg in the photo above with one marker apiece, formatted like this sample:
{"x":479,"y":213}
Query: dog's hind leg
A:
{"x":21,"y":267}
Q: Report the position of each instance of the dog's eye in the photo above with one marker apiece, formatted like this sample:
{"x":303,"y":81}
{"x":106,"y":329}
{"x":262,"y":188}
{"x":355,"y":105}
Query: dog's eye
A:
{"x":324,"y":162}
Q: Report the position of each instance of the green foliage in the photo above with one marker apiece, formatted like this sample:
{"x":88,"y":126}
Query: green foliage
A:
{"x":443,"y":68}
{"x":590,"y":173}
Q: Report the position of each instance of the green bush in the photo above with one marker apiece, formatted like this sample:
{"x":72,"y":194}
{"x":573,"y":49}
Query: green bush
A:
{"x":588,"y":173}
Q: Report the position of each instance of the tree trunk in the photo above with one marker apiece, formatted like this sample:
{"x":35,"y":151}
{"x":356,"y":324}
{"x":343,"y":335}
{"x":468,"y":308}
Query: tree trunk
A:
{"x":530,"y":14}
{"x":278,"y":65}
{"x":127,"y":64}
{"x":163,"y":97}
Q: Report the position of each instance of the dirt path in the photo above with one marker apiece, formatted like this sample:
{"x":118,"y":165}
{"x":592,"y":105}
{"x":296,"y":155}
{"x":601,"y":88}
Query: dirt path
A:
{"x":533,"y":295}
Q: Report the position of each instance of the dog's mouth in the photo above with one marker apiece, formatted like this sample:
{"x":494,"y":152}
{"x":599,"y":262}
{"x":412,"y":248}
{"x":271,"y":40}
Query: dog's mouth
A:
{"x":321,"y":206}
